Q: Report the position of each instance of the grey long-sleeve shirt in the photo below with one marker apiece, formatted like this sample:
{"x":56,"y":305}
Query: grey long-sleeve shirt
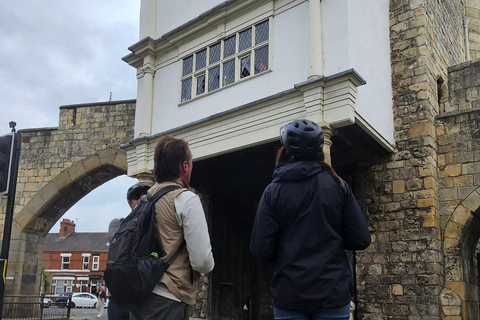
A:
{"x":190,"y":216}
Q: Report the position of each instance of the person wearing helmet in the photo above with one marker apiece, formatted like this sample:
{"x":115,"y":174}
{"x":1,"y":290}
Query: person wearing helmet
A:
{"x":134,"y":193}
{"x":306,"y":219}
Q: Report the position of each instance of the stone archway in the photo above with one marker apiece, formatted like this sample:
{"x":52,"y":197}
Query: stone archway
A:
{"x":460,"y":295}
{"x":58,"y":166}
{"x":48,"y":205}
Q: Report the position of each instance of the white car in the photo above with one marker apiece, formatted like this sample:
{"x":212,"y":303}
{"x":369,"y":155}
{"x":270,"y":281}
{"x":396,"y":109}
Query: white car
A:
{"x":47,"y":302}
{"x":84,"y":300}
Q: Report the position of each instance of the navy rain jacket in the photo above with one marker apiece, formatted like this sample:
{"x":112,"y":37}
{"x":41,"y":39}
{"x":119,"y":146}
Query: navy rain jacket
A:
{"x":305,"y":221}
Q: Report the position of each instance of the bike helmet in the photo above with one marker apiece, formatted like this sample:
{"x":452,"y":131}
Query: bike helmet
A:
{"x":302,"y":138}
{"x":136,"y":191}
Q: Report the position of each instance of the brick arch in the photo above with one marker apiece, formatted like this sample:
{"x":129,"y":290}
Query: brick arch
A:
{"x":47,"y":206}
{"x":460,"y":239}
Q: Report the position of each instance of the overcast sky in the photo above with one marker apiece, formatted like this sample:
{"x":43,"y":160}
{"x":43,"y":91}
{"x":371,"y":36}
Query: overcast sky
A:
{"x":62,"y":52}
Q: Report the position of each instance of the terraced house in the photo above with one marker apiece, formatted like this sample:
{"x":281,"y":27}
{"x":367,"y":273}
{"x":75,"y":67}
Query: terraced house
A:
{"x":74,"y":262}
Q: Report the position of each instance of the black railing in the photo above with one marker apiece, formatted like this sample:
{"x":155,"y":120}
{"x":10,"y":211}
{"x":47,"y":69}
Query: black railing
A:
{"x":33,"y":308}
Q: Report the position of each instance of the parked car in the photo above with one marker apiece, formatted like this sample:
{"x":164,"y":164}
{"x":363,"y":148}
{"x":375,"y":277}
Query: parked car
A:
{"x":83,"y":299}
{"x":62,"y":299}
{"x":47,"y":302}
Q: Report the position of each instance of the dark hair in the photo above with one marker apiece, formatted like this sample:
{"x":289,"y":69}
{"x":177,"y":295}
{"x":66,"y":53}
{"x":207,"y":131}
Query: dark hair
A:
{"x":283,"y":156}
{"x":170,"y":153}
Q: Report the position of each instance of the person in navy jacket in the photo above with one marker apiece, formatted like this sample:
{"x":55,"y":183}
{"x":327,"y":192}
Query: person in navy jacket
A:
{"x":306,"y":219}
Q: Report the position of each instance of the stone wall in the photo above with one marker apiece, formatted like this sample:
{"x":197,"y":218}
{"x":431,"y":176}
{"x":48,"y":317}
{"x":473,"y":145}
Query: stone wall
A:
{"x":82,"y":131}
{"x":472,"y":12}
{"x":58,"y":166}
{"x":401,"y":275}
{"x":459,"y":192}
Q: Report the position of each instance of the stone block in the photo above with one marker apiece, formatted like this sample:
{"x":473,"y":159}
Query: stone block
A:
{"x":453,"y":170}
{"x":76,"y":171}
{"x":472,"y":202}
{"x":458,"y":288}
{"x":453,"y":230}
{"x":461,"y":215}
{"x":398,"y":186}
{"x":422,"y":128}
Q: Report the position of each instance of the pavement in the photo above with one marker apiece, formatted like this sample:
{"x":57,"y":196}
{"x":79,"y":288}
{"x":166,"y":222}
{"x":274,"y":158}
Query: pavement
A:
{"x":87,"y":314}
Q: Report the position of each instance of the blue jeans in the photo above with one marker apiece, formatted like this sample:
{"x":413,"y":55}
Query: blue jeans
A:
{"x":342,"y":313}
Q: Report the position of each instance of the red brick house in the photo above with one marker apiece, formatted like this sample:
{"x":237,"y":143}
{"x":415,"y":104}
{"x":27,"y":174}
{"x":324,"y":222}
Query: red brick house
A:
{"x":75,"y":262}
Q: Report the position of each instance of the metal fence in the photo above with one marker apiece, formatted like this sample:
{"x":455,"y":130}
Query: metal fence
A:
{"x":33,"y":308}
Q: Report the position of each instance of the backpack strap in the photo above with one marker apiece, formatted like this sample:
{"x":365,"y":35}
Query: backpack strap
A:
{"x":154,"y":199}
{"x":176,"y":253}
{"x":162,"y":192}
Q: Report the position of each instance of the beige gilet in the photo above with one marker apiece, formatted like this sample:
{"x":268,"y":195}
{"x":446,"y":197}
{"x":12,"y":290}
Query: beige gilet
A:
{"x":180,"y":279}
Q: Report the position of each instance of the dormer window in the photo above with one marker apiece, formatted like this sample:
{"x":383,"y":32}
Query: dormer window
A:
{"x":234,"y":58}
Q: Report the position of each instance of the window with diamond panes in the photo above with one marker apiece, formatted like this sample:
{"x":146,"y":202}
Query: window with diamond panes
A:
{"x":214,"y":78}
{"x":228,"y":72}
{"x":245,"y":67}
{"x":187,"y":65}
{"x":215,"y":51}
{"x":201,"y":61}
{"x":216,"y":66}
{"x":245,"y":39}
{"x":261,"y":32}
{"x":201,"y":84}
{"x":261,"y":59}
{"x":229,"y":46}
{"x":186,"y":89}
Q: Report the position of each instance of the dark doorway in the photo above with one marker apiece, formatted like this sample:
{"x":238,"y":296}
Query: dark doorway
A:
{"x":234,"y":184}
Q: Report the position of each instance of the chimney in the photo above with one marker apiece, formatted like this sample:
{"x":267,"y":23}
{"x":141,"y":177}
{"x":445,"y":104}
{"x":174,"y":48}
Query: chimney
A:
{"x":66,"y":227}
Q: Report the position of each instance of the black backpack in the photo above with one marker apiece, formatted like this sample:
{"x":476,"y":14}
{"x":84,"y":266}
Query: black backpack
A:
{"x":133,"y":265}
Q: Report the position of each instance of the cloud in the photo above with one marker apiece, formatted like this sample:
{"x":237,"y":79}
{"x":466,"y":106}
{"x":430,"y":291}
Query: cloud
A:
{"x":63,"y":52}
{"x":59,"y":52}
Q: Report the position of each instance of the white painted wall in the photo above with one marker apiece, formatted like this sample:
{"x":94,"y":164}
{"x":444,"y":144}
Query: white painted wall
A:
{"x":289,"y":65}
{"x":173,"y":13}
{"x":356,"y":35}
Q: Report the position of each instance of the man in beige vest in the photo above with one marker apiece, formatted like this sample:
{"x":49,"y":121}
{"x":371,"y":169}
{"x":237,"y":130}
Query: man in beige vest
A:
{"x":179,"y":217}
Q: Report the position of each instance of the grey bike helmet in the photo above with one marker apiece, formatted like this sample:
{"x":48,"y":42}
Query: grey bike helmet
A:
{"x":302,"y":138}
{"x":136,"y":191}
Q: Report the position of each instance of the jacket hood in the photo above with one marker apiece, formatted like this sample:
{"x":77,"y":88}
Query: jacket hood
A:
{"x":295,"y":171}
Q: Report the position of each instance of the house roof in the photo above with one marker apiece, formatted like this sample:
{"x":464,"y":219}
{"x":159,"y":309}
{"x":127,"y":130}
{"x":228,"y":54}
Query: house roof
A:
{"x":77,"y":241}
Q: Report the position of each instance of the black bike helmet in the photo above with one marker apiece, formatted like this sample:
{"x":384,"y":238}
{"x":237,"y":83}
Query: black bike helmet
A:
{"x":136,"y":191}
{"x":302,"y":138}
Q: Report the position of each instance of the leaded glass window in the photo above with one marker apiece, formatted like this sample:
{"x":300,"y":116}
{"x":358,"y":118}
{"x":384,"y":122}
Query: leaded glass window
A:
{"x":245,"y":67}
{"x":186,"y":89}
{"x":214,"y":78}
{"x":261,"y":59}
{"x":229,"y":46}
{"x":261,"y":32}
{"x":245,"y":39}
{"x":201,"y":60}
{"x":237,"y":57}
{"x":215,"y":53}
{"x":229,"y":72}
{"x":187,"y":65}
{"x":201,"y":84}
